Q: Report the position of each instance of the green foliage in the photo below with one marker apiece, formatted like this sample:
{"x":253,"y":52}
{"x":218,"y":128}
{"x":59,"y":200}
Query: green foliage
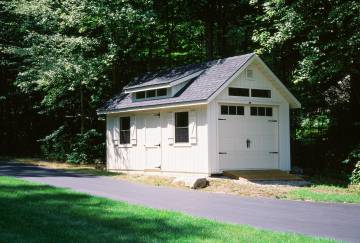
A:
{"x":88,"y":147}
{"x":55,"y":145}
{"x":354,"y":159}
{"x":355,"y":176}
{"x":313,"y":127}
{"x":60,"y":60}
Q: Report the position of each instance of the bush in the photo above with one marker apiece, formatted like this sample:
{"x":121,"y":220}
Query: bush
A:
{"x":355,"y":176}
{"x":354,"y":158}
{"x":87,"y":148}
{"x":55,"y":145}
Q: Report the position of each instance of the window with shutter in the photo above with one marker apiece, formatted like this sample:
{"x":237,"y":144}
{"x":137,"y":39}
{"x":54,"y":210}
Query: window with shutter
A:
{"x":193,"y":127}
{"x":125,"y":130}
{"x":181,"y":127}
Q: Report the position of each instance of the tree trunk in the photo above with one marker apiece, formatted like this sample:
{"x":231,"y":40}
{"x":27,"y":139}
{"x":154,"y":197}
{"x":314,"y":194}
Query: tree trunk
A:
{"x":82,"y":117}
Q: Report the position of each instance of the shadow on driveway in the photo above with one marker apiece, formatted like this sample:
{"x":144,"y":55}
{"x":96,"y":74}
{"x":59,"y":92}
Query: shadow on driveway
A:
{"x":12,"y":168}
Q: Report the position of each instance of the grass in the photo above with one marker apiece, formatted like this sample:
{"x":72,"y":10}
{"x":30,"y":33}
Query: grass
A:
{"x":322,"y":189}
{"x":327,"y":190}
{"x":32,"y":212}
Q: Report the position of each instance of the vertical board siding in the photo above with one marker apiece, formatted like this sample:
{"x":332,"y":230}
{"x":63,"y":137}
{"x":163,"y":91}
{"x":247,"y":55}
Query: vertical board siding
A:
{"x":191,"y":157}
{"x":260,"y":81}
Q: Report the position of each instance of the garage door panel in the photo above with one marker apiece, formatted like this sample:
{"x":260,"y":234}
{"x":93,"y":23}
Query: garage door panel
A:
{"x":248,"y":142}
{"x":248,"y":161}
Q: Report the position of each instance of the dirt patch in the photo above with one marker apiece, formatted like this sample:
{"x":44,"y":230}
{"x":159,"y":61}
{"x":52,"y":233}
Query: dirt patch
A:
{"x":243,"y":187}
{"x":246,"y":188}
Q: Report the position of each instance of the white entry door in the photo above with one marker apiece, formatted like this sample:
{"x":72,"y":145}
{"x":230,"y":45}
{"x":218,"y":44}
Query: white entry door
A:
{"x":248,"y":139}
{"x":153,"y":141}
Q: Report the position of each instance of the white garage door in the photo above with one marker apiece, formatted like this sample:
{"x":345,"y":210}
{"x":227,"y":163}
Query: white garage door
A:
{"x":248,"y":137}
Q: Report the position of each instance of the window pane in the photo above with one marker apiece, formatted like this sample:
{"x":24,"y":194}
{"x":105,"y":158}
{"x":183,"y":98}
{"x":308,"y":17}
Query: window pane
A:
{"x":261,"y":111}
{"x":238,"y":92}
{"x":253,"y":111}
{"x":181,"y":119}
{"x":232,"y":110}
{"x":263,"y":93}
{"x":181,"y":135}
{"x":224,"y":110}
{"x":240,"y":110}
{"x":124,"y":136}
{"x":125,"y":123}
{"x":140,"y":95}
{"x":161,"y":92}
{"x":150,"y":93}
{"x":268,"y":111}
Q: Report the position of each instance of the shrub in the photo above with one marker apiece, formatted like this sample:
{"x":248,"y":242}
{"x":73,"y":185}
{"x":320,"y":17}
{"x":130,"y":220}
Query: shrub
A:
{"x":87,"y":148}
{"x":55,"y":145}
{"x":355,"y":176}
{"x":354,"y":158}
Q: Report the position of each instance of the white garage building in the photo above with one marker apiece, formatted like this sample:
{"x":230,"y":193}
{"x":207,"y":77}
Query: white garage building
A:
{"x":227,"y":114}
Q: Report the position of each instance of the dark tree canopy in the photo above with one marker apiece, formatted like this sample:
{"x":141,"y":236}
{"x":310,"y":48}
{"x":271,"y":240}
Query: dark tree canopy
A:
{"x":60,"y":60}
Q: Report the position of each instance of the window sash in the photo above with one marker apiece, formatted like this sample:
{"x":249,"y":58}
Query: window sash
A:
{"x":182,"y":129}
{"x":124,"y":131}
{"x":261,"y":93}
{"x":261,"y":111}
{"x":239,"y":92}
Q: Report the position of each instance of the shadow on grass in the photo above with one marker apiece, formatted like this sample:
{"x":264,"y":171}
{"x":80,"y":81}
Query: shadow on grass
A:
{"x":329,"y":180}
{"x":41,"y":213}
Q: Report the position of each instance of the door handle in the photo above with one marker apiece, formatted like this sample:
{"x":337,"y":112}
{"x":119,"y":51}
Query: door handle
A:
{"x":158,"y":145}
{"x":248,"y":143}
{"x":273,"y":152}
{"x":222,"y":153}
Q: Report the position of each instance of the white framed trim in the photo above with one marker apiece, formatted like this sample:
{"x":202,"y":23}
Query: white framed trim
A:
{"x":246,"y":75}
{"x":294,"y":103}
{"x":129,"y":91}
{"x":231,"y":79}
{"x":182,"y":144}
{"x":249,"y":102}
{"x":160,"y":107}
{"x":124,"y":145}
{"x":156,"y":97}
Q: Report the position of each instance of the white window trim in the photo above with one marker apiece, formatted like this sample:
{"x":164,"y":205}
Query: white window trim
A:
{"x":168,"y":94}
{"x":124,"y":145}
{"x":246,"y":74}
{"x":182,"y":144}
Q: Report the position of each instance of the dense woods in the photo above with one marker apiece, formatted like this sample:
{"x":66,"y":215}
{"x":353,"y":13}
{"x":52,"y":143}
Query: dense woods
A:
{"x":60,"y":60}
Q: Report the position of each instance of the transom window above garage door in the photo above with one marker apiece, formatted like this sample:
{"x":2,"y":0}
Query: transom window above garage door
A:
{"x":232,"y":110}
{"x":261,"y":111}
{"x":244,"y":92}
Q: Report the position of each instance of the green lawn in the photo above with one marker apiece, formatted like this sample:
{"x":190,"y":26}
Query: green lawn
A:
{"x":31,"y":212}
{"x":324,"y":189}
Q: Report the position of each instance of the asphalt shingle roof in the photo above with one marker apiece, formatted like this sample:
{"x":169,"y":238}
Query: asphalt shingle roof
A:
{"x":166,"y":76}
{"x":215,"y":74}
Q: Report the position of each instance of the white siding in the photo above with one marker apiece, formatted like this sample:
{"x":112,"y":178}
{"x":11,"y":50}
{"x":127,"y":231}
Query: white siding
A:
{"x":201,"y":155}
{"x":190,"y":158}
{"x":259,"y":81}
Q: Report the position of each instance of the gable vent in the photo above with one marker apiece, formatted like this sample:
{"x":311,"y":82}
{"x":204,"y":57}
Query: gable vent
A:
{"x":249,"y":73}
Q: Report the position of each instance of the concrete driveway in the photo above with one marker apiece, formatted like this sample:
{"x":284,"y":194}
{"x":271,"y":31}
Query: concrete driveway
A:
{"x":332,"y":220}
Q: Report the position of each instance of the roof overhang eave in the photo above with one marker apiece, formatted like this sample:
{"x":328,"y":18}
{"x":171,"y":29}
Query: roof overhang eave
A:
{"x":154,"y":107}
